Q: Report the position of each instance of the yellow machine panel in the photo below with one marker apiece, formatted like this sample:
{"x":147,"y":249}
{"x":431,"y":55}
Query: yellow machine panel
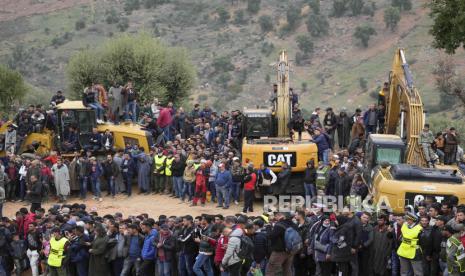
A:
{"x":399,"y":193}
{"x":295,"y":154}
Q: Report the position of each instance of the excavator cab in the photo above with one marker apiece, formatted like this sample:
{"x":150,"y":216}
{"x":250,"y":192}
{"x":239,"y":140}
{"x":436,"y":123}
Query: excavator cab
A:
{"x":258,"y":123}
{"x":382,"y":148}
{"x":82,"y":119}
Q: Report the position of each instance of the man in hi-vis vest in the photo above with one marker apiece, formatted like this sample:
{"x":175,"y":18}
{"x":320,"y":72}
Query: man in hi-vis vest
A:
{"x":409,"y":251}
{"x":455,"y":250}
{"x":159,"y":163}
{"x":58,"y":247}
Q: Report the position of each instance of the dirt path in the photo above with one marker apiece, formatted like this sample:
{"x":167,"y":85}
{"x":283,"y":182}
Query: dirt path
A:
{"x":12,"y":9}
{"x":154,"y":205}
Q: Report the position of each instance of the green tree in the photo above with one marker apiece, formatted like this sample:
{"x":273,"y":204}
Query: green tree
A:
{"x":369,"y":9}
{"x":223,"y":15}
{"x":111,"y":16}
{"x":314,"y":6}
{"x":123,"y":24}
{"x":222,"y":64}
{"x":317,"y":25}
{"x":363,"y":84}
{"x":304,"y":86}
{"x":131,"y":5}
{"x":253,"y":6}
{"x":156,"y":70}
{"x":80,"y":24}
{"x":363,"y":33}
{"x":224,"y":79}
{"x":448,"y":27}
{"x":12,"y":87}
{"x":406,"y":5}
{"x":239,"y":17}
{"x":448,"y":83}
{"x":356,"y":7}
{"x":305,"y":44}
{"x":391,"y":17}
{"x":266,"y":23}
{"x":148,"y":4}
{"x":293,"y":16}
{"x":339,"y":7}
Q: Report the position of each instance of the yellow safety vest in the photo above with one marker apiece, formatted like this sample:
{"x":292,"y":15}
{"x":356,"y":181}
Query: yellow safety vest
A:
{"x":159,"y":163}
{"x":57,"y":250}
{"x":409,"y":245}
{"x":459,"y":255}
{"x":168,"y":171}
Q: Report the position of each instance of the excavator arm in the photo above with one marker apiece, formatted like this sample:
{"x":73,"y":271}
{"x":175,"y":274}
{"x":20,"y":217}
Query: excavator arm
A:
{"x":404,"y":108}
{"x":283,"y":105}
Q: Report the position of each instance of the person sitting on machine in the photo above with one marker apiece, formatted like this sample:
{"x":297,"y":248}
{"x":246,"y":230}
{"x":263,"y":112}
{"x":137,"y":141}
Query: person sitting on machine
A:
{"x":95,"y":141}
{"x":71,"y":141}
{"x":108,"y":141}
{"x":426,"y":140}
{"x":38,"y":121}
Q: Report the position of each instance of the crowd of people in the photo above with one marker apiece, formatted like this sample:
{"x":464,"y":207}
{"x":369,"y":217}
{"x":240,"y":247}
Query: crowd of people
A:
{"x":71,"y":240}
{"x":196,"y":158}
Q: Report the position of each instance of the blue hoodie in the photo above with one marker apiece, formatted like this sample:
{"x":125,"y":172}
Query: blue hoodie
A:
{"x":321,"y":142}
{"x":223,"y":179}
{"x":149,"y":251}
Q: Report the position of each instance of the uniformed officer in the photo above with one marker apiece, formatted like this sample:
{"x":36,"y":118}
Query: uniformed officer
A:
{"x":159,"y":165}
{"x":58,"y":246}
{"x":409,"y":251}
{"x":455,"y":252}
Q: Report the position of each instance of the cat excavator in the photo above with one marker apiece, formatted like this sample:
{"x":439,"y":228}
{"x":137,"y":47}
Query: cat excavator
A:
{"x":74,"y":113}
{"x":268,"y":139}
{"x":395,"y":165}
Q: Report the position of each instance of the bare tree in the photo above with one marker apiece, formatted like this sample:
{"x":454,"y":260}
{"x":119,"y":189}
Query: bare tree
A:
{"x":448,"y":81}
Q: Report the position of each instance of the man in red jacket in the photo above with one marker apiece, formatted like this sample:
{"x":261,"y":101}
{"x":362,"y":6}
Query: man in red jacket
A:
{"x":249,"y":189}
{"x":164,"y":120}
{"x":201,"y":177}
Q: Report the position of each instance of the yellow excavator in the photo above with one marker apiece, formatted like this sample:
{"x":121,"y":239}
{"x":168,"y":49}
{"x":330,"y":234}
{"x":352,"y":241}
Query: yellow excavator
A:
{"x":395,"y":166}
{"x":267,"y":138}
{"x":74,"y":113}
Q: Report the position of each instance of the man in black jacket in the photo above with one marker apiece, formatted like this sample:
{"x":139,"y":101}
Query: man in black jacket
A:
{"x":261,"y":248}
{"x":303,"y":263}
{"x":110,"y":171}
{"x":310,"y":179}
{"x":35,"y":194}
{"x":177,"y":170}
{"x":108,"y":141}
{"x":188,"y":247}
{"x":283,"y":179}
{"x":341,"y":184}
{"x":279,"y":258}
{"x":95,"y":141}
{"x":426,"y":244}
{"x":355,"y":227}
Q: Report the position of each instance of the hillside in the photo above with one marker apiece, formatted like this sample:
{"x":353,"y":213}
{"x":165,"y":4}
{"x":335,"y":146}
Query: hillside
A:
{"x":232,"y":54}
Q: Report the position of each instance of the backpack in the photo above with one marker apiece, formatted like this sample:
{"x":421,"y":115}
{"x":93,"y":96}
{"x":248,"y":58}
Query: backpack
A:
{"x":246,"y":248}
{"x":292,"y":240}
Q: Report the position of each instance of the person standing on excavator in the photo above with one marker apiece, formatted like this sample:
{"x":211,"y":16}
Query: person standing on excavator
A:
{"x":425,"y":141}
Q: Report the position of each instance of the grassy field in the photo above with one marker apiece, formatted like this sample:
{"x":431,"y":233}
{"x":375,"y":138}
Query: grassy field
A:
{"x":42,"y":45}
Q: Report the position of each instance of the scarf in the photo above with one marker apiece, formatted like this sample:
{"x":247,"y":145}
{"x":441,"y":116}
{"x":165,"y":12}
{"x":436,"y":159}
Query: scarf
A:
{"x":161,"y":250}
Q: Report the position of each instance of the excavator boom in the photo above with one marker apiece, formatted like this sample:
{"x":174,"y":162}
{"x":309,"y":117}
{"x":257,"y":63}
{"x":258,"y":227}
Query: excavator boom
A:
{"x":283,"y":107}
{"x":404,"y":108}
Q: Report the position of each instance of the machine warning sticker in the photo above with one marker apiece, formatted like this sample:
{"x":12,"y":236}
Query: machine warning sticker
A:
{"x":275,"y":159}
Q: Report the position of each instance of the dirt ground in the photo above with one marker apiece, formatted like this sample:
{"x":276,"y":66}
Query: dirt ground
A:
{"x":154,"y":205}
